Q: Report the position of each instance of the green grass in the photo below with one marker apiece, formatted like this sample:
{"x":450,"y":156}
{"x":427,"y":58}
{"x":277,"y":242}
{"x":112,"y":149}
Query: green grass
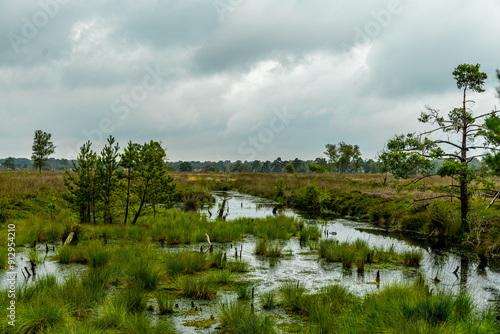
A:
{"x":293,"y":296}
{"x":412,"y":258}
{"x":244,"y":291}
{"x":41,"y":315}
{"x":186,"y":262}
{"x":270,"y":249}
{"x":237,"y":317}
{"x":268,"y":300}
{"x":165,"y":303}
{"x":359,"y":254}
{"x":196,"y":287}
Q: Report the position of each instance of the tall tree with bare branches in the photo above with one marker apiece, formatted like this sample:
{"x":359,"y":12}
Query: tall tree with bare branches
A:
{"x":457,"y":137}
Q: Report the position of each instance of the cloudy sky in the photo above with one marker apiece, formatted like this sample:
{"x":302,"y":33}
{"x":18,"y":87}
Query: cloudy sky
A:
{"x":235,"y":79}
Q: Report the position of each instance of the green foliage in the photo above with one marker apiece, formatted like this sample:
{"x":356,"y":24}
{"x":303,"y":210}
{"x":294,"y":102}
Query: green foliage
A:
{"x":402,"y":157}
{"x":289,"y":168}
{"x":9,"y":163}
{"x":196,"y":287}
{"x":107,"y":178}
{"x":405,"y":155}
{"x":165,"y":303}
{"x":186,"y":262}
{"x":236,"y":317}
{"x":268,"y":300}
{"x":279,"y":189}
{"x":185,"y":166}
{"x":265,"y":248}
{"x":41,"y":315}
{"x":94,"y":184}
{"x":42,"y":148}
{"x":244,"y":291}
{"x":293,"y":297}
{"x":344,"y":158}
{"x":154,"y":185}
{"x":316,"y":168}
{"x":412,"y":258}
{"x":82,"y":184}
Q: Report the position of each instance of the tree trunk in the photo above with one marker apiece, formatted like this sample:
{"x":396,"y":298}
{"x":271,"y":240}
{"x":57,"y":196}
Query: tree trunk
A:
{"x":464,"y":205}
{"x":143,"y":199}
{"x":127,"y":200}
{"x":464,"y":178}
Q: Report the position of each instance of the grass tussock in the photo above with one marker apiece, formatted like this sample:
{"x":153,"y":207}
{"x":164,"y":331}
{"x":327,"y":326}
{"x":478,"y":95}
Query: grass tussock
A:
{"x":236,"y":317}
{"x":359,"y":253}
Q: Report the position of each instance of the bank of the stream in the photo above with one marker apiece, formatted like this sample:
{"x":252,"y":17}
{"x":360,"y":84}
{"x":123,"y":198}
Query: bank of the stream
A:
{"x":158,"y":276}
{"x":422,"y":208}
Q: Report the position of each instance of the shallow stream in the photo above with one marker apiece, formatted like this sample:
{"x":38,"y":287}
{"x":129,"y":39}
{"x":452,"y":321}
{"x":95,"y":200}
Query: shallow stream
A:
{"x":299,"y":264}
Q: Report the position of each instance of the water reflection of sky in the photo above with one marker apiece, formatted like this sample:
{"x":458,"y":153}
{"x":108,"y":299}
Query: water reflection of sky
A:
{"x":439,"y":260}
{"x":300,"y":265}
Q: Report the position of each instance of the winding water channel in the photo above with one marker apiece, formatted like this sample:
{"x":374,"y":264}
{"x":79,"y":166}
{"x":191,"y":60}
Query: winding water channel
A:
{"x":481,"y":281}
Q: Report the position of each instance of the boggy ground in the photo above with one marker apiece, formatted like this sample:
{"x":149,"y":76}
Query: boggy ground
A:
{"x":130,"y":286}
{"x":423,"y":207}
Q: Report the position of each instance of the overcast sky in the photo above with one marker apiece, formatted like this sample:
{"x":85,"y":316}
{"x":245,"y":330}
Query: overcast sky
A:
{"x":235,"y":79}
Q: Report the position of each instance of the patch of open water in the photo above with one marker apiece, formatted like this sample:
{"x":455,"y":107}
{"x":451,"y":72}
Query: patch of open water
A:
{"x":300,"y":265}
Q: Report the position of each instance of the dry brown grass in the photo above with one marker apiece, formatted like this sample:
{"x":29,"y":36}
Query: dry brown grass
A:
{"x":22,"y":183}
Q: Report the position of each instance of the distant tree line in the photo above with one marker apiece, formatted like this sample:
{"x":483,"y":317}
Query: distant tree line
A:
{"x":341,"y":158}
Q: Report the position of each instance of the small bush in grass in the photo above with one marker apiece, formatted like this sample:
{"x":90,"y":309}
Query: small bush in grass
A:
{"x":311,"y":232}
{"x":261,"y":247}
{"x":268,"y":300}
{"x":132,"y":298}
{"x":236,"y":317}
{"x":412,"y":258}
{"x":41,"y":315}
{"x":237,"y":266}
{"x":165,"y":303}
{"x":34,"y":257}
{"x":244,"y":291}
{"x":113,"y":315}
{"x":147,"y":272}
{"x":265,"y":248}
{"x":186,"y":262}
{"x":96,"y":254}
{"x":198,"y":288}
{"x":223,"y":277}
{"x":70,"y":254}
{"x":293,"y":296}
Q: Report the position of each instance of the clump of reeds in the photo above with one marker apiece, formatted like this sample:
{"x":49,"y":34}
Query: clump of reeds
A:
{"x":244,"y":291}
{"x":293,"y":296}
{"x":237,"y":317}
{"x":196,"y":287}
{"x":268,"y":300}
{"x":186,"y":262}
{"x":266,"y":248}
{"x":412,"y":258}
{"x":165,"y":303}
{"x":311,"y":232}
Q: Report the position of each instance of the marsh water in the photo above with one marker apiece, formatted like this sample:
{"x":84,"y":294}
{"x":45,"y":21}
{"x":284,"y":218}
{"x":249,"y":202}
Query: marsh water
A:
{"x":300,"y":265}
